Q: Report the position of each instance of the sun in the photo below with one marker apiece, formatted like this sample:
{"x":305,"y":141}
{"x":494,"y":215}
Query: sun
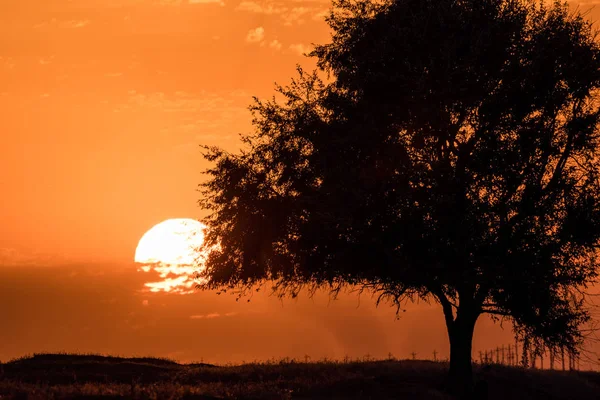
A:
{"x":170,"y":248}
{"x":174,"y":242}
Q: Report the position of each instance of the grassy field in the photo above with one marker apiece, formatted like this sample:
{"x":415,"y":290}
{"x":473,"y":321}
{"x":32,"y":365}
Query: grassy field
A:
{"x":64,"y":376}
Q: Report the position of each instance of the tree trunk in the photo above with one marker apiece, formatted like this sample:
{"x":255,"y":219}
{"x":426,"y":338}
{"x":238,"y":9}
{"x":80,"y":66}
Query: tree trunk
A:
{"x":460,"y":333}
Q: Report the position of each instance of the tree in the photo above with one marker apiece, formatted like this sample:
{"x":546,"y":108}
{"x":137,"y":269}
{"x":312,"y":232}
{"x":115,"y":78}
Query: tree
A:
{"x":451,"y":154}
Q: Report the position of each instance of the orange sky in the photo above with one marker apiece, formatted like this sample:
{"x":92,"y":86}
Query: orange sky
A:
{"x":104,"y":104}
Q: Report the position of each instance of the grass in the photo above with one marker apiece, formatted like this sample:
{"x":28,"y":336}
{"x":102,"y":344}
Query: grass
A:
{"x":72,"y":376}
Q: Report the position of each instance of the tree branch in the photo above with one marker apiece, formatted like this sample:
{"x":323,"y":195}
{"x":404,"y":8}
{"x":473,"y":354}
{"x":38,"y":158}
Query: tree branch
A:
{"x":495,"y":311}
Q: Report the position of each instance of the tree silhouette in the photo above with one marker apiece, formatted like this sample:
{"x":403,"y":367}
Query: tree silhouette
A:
{"x":450,"y":154}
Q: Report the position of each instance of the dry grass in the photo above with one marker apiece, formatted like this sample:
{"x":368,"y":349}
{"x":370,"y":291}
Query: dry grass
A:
{"x":66,"y":376}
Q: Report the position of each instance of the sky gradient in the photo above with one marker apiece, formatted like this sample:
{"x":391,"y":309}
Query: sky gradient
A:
{"x":105,"y":103}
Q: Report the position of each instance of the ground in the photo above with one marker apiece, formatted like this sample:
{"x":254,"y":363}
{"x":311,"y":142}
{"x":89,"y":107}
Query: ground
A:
{"x":67,"y":376}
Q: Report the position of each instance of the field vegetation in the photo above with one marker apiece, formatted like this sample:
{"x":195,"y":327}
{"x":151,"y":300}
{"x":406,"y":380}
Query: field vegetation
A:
{"x":71,"y":376}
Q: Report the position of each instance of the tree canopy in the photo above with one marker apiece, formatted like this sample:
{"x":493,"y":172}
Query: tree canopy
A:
{"x":451,"y":154}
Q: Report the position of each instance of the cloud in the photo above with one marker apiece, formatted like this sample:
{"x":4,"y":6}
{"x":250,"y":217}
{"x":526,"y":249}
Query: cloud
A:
{"x":206,"y":316}
{"x":46,"y":61}
{"x":226,"y":106}
{"x":275,"y":44}
{"x":164,"y":270}
{"x":168,"y":2}
{"x":251,"y":6}
{"x":219,"y":2}
{"x":174,"y":278}
{"x":71,"y":24}
{"x":178,"y":102}
{"x":255,"y":35}
{"x":295,"y":15}
{"x":78,"y":24}
{"x":288,"y":15}
{"x":213,"y":315}
{"x":184,"y":2}
{"x":15,"y":257}
{"x":179,"y":285}
{"x":300,"y":48}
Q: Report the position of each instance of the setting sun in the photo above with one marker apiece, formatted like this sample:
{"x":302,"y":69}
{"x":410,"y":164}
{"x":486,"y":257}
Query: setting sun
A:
{"x":174,"y":242}
{"x":170,"y":248}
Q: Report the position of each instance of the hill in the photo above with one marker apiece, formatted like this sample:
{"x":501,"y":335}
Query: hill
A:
{"x":68,"y":376}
